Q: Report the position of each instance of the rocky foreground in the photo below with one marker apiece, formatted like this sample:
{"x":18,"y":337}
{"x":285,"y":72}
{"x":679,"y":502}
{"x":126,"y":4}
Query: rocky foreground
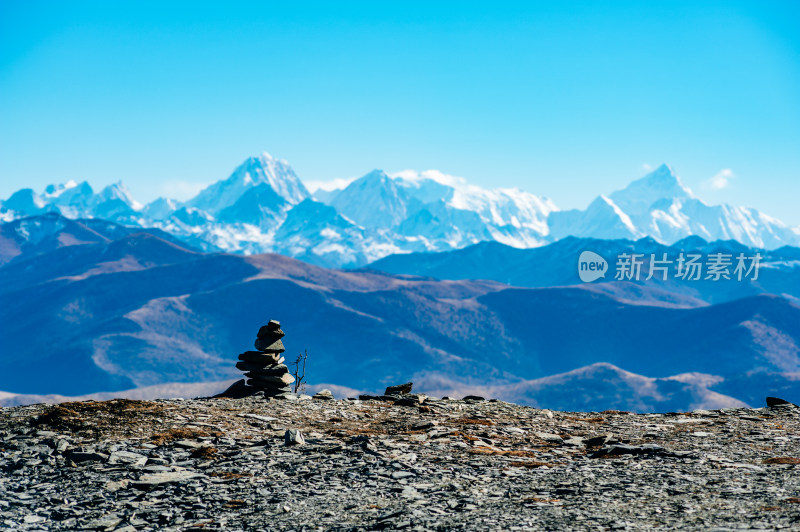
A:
{"x":393,"y":463}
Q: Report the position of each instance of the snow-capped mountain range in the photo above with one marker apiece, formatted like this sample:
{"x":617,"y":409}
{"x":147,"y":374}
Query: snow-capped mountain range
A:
{"x":264,"y":207}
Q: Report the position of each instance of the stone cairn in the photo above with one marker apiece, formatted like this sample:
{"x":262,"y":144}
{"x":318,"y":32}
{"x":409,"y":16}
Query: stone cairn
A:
{"x":264,"y":368}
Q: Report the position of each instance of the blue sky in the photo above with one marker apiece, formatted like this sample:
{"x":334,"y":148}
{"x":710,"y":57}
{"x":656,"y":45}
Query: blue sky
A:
{"x":567,"y":99}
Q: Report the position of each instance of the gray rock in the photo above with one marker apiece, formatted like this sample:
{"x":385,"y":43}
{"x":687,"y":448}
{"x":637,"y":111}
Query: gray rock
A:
{"x":596,"y":441}
{"x":79,"y":457}
{"x":269,"y":345}
{"x":551,"y":438}
{"x":621,"y":449}
{"x":107,"y":522}
{"x":272,"y":327}
{"x":152,"y":480}
{"x":777,"y":401}
{"x":127,"y":457}
{"x":267,"y":369}
{"x":293,"y":437}
{"x":262,"y":359}
{"x":400,"y":389}
{"x":267,"y":332}
{"x":323,"y":395}
{"x":473,"y":398}
{"x":270,"y":380}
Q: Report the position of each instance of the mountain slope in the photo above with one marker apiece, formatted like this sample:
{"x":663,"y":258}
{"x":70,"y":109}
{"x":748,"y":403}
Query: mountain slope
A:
{"x":556,"y":264}
{"x":140,"y":311}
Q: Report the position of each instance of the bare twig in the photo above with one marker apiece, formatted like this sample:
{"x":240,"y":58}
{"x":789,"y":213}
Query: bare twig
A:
{"x":300,"y":372}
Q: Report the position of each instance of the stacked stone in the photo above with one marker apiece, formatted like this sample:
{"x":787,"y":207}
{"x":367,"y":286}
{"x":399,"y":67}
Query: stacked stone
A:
{"x":264,"y":368}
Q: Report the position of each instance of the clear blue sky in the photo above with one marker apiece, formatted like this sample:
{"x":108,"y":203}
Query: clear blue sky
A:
{"x":564,"y":99}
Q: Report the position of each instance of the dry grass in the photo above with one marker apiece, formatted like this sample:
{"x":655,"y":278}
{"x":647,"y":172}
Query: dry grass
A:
{"x":468,"y":437}
{"x":782,"y":460}
{"x":530,"y":464}
{"x":122,"y":417}
{"x":205,"y":453}
{"x":160,"y":438}
{"x":539,"y":499}
{"x":236,"y":503}
{"x":586,"y":419}
{"x":230,"y":475}
{"x":520,"y":454}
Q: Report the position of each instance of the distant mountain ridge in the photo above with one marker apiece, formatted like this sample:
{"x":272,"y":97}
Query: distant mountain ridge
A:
{"x":90,"y":306}
{"x":556,"y":264}
{"x":264,"y":207}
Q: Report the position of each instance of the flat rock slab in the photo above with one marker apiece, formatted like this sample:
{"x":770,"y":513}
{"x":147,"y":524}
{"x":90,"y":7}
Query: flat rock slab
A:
{"x":152,"y":480}
{"x":79,"y":457}
{"x":270,"y":369}
{"x":127,"y":457}
{"x":257,"y":357}
{"x":268,"y":380}
{"x":269,"y":345}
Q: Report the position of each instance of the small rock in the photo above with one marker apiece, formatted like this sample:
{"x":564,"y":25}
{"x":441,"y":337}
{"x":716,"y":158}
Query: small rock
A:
{"x":79,"y":457}
{"x":551,"y":438}
{"x":269,"y":345}
{"x":777,"y":401}
{"x":293,"y":437}
{"x":323,"y":395}
{"x":473,"y":398}
{"x":107,"y":522}
{"x":400,"y":389}
{"x":257,"y":357}
{"x":270,"y":380}
{"x":410,"y":400}
{"x":127,"y":457}
{"x":596,"y":441}
{"x":621,"y":449}
{"x":273,"y":329}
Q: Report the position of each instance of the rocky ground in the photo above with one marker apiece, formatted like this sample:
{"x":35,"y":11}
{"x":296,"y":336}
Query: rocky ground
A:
{"x":414,"y":464}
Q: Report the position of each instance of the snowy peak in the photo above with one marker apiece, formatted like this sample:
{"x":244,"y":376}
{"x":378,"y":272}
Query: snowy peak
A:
{"x":373,"y":200}
{"x":253,"y":172}
{"x":117,"y":192}
{"x":640,"y":195}
{"x":602,"y":219}
{"x":512,"y":216}
{"x":26,"y":202}
{"x":160,"y":208}
{"x":78,"y":195}
{"x":660,"y":206}
{"x":260,"y":205}
{"x":263,"y":207}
